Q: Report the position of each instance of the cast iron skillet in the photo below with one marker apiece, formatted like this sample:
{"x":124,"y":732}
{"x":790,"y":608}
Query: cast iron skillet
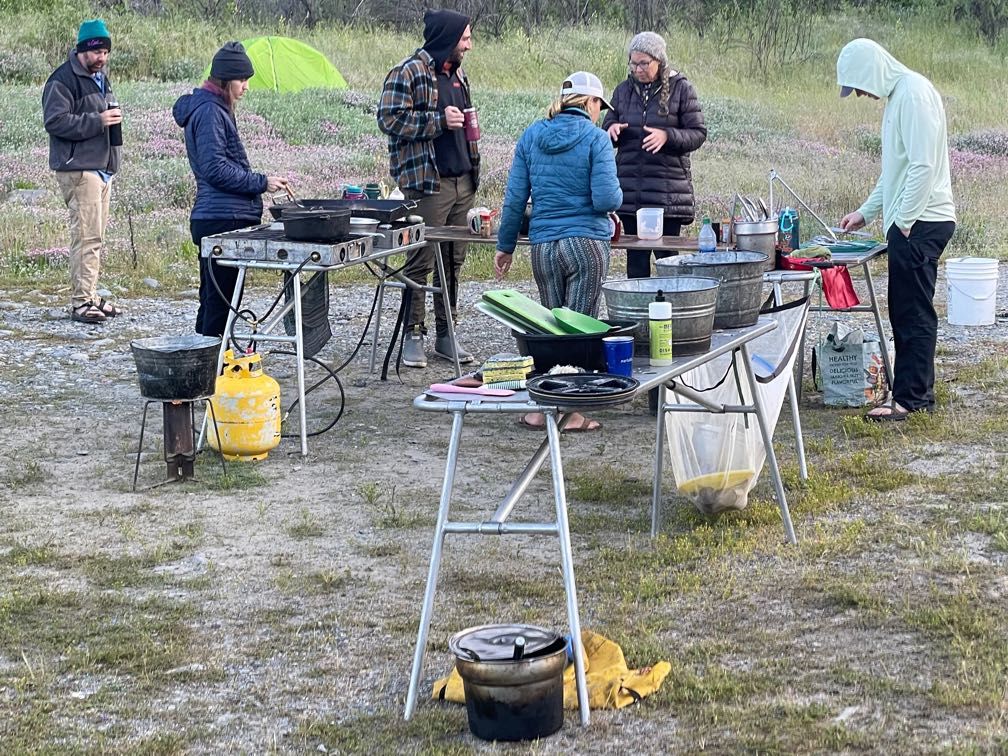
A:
{"x":317,"y":225}
{"x":384,"y":211}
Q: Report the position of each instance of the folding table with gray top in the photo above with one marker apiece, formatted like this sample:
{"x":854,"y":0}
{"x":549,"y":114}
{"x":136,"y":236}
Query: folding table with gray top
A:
{"x":735,"y":342}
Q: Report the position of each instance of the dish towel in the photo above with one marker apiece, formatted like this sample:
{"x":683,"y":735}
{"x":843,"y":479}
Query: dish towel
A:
{"x":611,"y":684}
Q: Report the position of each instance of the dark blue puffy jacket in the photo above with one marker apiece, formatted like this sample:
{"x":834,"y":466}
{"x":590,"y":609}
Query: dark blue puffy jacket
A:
{"x":566,"y":165}
{"x":226,"y":187}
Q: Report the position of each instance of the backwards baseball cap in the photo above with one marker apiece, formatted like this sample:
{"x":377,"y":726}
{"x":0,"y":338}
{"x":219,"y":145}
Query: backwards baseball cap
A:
{"x":93,"y":35}
{"x":584,"y":83}
{"x":844,"y":91}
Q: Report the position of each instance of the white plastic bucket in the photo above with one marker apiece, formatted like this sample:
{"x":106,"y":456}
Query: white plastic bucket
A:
{"x":972,"y":290}
{"x":650,"y":222}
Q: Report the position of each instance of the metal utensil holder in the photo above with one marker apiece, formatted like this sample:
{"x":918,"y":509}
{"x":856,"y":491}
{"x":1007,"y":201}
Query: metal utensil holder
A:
{"x":775,"y":177}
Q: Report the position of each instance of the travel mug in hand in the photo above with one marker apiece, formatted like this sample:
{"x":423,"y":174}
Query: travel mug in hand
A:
{"x":471,"y":125}
{"x":115,"y":129}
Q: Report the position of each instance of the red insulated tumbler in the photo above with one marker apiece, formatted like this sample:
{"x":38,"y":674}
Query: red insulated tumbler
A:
{"x":471,"y":125}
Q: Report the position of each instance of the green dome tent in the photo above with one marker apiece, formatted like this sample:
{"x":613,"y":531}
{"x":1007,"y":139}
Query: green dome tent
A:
{"x":286,"y":65}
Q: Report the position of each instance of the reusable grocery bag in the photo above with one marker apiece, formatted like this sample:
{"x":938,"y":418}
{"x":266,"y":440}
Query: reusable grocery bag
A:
{"x":847,"y":367}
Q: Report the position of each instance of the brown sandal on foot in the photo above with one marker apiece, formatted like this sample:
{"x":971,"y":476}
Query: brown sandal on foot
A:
{"x":108,"y":309}
{"x":87,"y":313}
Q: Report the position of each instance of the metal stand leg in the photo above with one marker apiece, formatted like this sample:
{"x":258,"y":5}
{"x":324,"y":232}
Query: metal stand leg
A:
{"x":764,"y":427}
{"x":299,"y":350}
{"x":446,"y":295}
{"x":235,"y":301}
{"x":377,"y":325}
{"x":878,"y":324}
{"x":216,"y":427}
{"x":143,"y":424}
{"x":796,"y":424}
{"x":435,"y":563}
{"x":659,"y":462}
{"x":567,"y":564}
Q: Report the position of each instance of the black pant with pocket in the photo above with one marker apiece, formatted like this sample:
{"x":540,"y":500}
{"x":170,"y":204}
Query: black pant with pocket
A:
{"x":211,"y":317}
{"x":913,"y":270}
{"x":638,"y":261}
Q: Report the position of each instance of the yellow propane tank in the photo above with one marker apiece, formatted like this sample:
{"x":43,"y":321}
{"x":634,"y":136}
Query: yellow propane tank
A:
{"x":246,"y":405}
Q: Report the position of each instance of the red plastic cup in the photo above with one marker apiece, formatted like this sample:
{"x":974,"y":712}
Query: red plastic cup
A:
{"x":471,"y":125}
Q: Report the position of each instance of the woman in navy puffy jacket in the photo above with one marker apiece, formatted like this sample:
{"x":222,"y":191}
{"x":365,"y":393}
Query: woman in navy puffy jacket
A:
{"x":565,"y":164}
{"x":227,"y":191}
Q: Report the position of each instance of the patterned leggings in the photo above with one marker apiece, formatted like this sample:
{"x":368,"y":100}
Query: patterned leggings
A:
{"x":569,"y":273}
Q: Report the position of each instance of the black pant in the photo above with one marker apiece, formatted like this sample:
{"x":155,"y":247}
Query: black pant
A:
{"x":638,"y":261}
{"x":211,"y":317}
{"x":913,"y":270}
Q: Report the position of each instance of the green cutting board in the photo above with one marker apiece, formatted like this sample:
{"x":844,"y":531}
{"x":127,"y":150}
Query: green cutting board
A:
{"x":573,"y":321}
{"x":525,"y":309}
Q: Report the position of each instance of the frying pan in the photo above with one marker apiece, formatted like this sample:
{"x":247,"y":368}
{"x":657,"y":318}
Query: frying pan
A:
{"x":384,"y":211}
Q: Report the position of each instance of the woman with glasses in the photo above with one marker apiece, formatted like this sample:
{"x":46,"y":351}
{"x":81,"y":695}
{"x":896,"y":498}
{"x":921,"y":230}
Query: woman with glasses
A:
{"x":655,"y":122}
{"x":565,"y":163}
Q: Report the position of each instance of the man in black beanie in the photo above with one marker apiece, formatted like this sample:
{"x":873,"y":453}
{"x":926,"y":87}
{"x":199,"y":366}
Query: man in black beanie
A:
{"x":421,"y":110}
{"x":78,"y":108}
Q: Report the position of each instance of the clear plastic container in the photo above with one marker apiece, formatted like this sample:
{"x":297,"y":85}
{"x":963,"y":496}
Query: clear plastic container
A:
{"x":650,"y":222}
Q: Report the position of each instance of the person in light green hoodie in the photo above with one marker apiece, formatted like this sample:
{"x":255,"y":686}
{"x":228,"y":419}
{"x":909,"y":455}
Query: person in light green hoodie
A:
{"x":914,"y":195}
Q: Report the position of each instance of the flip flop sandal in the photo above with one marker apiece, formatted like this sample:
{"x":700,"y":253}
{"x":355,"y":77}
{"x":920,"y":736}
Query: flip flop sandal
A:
{"x":107,"y":309}
{"x":531,"y":426}
{"x":587,"y":426}
{"x":87,"y":313}
{"x":892,"y":416}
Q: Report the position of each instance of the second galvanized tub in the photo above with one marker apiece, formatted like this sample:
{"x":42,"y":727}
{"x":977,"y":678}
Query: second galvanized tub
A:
{"x":741,"y":275}
{"x":693,"y":302}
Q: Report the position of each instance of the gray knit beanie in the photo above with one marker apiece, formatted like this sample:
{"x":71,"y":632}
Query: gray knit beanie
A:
{"x":649,"y":43}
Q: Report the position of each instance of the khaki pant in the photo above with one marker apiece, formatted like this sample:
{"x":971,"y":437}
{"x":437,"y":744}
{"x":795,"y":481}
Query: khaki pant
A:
{"x":87,"y":198}
{"x":446,"y":208}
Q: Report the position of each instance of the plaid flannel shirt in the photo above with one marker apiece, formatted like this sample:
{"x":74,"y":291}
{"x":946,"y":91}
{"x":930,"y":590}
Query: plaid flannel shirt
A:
{"x":408,"y":113}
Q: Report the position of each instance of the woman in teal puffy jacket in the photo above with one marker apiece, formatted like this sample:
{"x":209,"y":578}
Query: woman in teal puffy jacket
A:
{"x":565,"y":164}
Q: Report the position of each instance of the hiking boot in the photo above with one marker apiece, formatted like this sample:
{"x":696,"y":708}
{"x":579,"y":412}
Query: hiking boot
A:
{"x":443,"y":347}
{"x":413,"y":349}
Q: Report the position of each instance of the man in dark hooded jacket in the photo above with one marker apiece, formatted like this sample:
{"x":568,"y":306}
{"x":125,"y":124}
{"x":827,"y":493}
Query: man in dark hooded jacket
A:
{"x":421,"y":110}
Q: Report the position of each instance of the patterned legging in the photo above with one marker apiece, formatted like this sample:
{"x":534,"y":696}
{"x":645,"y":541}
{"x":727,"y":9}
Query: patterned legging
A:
{"x":570,"y":272}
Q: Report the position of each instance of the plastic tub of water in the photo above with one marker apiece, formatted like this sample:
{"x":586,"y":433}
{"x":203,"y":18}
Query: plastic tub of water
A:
{"x":972,"y":290}
{"x":650,"y":222}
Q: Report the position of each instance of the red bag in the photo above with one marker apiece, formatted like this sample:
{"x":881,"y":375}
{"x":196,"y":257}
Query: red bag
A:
{"x":838,"y":288}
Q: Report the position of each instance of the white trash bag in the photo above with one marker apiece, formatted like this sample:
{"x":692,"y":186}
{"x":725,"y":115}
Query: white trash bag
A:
{"x":716,"y":458}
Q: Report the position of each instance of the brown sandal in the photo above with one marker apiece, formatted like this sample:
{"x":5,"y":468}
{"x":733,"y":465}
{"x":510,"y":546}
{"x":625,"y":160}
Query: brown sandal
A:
{"x":108,"y":309}
{"x":87,"y":313}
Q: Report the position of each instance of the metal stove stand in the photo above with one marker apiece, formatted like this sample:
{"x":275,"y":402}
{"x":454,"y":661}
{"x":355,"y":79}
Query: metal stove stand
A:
{"x":180,"y":444}
{"x":266,"y":248}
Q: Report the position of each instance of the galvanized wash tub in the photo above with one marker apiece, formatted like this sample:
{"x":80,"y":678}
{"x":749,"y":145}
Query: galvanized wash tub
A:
{"x":741,"y":274}
{"x":693,"y":302}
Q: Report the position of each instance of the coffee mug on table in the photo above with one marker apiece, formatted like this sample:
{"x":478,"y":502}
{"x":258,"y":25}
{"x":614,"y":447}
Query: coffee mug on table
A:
{"x":481,"y":221}
{"x":619,"y":354}
{"x":471,"y":125}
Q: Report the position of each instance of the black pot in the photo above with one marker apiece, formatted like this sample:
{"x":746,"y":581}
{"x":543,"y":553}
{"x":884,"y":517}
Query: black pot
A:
{"x":580,"y":350}
{"x":317,"y":225}
{"x":180,"y":368}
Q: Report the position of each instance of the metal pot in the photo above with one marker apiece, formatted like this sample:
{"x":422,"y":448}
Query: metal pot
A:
{"x":317,"y":225}
{"x":509,"y":698}
{"x":758,"y":236}
{"x":180,"y":368}
{"x":363,"y":225}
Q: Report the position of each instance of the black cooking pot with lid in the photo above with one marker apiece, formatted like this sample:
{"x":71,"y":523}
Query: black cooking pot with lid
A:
{"x":317,"y":225}
{"x":513,"y":680}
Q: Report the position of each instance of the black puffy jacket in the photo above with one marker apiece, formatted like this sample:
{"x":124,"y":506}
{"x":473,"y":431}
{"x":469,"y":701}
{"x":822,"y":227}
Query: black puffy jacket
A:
{"x":663,"y":179}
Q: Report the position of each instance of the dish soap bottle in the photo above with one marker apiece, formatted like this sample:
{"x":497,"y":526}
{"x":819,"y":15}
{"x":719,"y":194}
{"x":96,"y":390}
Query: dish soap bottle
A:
{"x":707,"y":241}
{"x":660,"y":330}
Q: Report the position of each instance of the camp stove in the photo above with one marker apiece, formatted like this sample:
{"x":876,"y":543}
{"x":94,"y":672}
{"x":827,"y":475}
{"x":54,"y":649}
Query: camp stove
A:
{"x":269,"y":243}
{"x":179,"y":440}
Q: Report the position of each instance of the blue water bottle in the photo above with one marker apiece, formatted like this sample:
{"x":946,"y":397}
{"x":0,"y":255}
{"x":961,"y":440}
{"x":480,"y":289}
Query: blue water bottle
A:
{"x":788,"y":236}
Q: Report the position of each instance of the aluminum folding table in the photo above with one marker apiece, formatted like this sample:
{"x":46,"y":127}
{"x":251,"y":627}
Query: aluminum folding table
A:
{"x":734,"y":342}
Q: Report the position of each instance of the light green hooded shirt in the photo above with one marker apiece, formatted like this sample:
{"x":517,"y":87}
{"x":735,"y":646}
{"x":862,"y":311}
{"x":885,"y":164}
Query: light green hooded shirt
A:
{"x":915,"y":183}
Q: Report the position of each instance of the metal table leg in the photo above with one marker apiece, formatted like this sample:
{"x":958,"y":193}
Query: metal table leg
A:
{"x":659,"y":462}
{"x":376,"y":331}
{"x":299,"y":350}
{"x":878,"y":324}
{"x":567,"y":563}
{"x":765,"y":432}
{"x":446,"y":296}
{"x":435,"y":562}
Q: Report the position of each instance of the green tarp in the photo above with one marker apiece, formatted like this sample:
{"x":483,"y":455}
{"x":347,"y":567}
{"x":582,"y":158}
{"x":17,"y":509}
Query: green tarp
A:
{"x":286,"y":65}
